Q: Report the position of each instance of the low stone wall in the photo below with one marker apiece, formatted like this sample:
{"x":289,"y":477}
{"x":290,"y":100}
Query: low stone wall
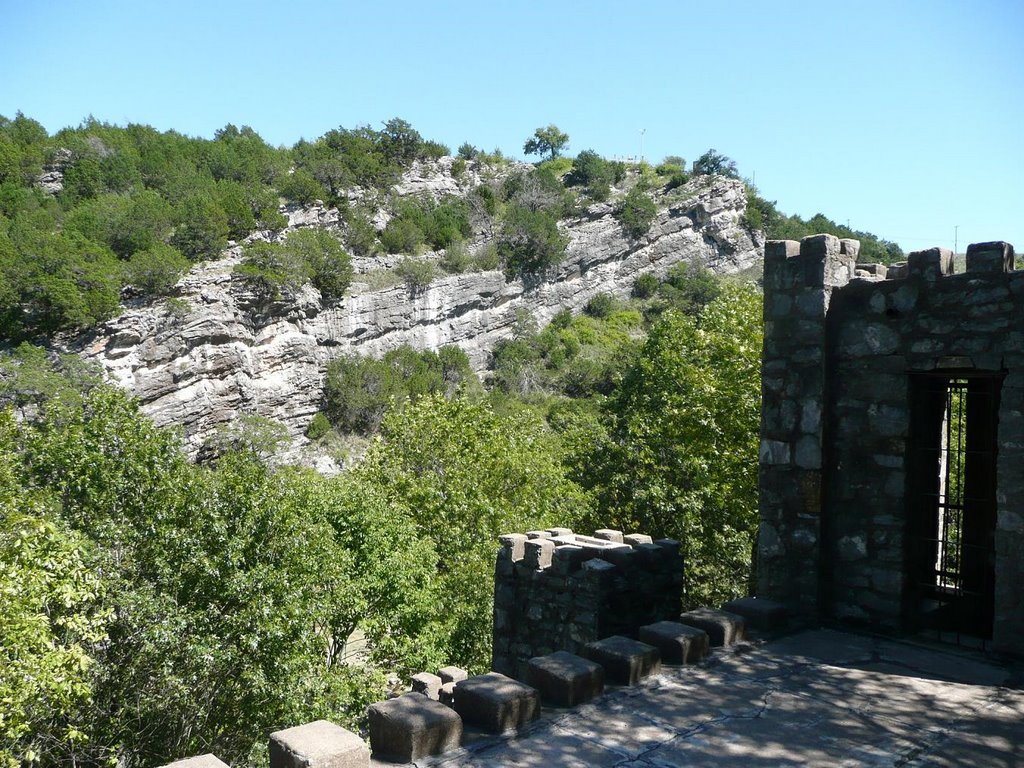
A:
{"x":557,"y":591}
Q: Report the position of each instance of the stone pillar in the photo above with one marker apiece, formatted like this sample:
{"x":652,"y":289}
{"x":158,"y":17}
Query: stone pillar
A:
{"x":798,"y":282}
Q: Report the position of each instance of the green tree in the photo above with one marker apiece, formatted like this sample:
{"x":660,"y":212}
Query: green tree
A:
{"x":329,"y":267}
{"x":635,"y":212}
{"x":273,"y":270}
{"x":677,"y":453}
{"x":530,"y":242}
{"x":158,"y":579}
{"x":468,"y":475}
{"x":715,"y":163}
{"x":53,"y":619}
{"x":155,"y":270}
{"x":202,"y":228}
{"x":546,"y":141}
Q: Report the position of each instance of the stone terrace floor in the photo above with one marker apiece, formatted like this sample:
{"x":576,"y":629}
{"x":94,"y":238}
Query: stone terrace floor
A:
{"x":819,"y":697}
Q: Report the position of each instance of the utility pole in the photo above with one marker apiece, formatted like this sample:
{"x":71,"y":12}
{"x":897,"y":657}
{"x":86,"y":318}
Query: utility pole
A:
{"x":956,"y":238}
{"x":642,"y":132}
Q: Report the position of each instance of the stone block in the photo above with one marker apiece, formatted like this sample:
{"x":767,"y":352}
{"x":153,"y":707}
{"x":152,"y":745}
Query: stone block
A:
{"x":990,"y":257}
{"x":607,"y":534}
{"x":780,"y":250}
{"x":199,"y":761}
{"x":625,"y":661}
{"x":723,"y":628}
{"x":452,"y":674}
{"x":677,"y":643}
{"x":512,"y":545}
{"x":427,"y":684}
{"x":556,"y":532}
{"x":758,"y":612}
{"x":931,"y":263}
{"x":496,"y":703}
{"x":565,"y":679}
{"x":636,"y":539}
{"x":319,"y":744}
{"x":538,"y":553}
{"x":411,"y":727}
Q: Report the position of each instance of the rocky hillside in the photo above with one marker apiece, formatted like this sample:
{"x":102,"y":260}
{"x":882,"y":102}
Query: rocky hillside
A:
{"x":214,"y":351}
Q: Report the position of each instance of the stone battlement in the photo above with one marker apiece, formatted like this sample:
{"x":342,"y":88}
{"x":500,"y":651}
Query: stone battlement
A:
{"x":891,"y":439}
{"x":556,"y":590}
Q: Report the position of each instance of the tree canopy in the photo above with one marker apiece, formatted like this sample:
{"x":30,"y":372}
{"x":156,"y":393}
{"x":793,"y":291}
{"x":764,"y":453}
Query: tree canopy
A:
{"x":548,"y":141}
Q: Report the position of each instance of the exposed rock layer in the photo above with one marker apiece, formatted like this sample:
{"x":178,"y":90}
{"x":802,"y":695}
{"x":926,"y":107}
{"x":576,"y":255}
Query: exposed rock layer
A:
{"x":215,"y":352}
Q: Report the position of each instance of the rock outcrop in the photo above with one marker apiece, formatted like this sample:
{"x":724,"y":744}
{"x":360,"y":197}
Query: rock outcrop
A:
{"x":214,"y":351}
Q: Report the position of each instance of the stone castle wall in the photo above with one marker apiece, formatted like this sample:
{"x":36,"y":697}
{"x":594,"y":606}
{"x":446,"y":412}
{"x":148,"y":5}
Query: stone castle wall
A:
{"x":557,"y":591}
{"x":844,"y":347}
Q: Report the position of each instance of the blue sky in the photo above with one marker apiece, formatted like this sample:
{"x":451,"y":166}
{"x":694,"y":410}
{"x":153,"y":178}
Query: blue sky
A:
{"x":904,"y":118}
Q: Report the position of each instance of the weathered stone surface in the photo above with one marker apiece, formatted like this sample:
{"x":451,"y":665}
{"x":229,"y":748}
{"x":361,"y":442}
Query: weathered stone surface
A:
{"x":496,"y":703}
{"x":723,"y":627}
{"x":199,"y":761}
{"x":677,"y":643}
{"x":844,"y":422}
{"x":625,"y":661}
{"x":990,"y":257}
{"x":452,"y":674}
{"x":319,"y":744}
{"x":228,"y":354}
{"x":759,"y":613}
{"x":427,"y":684}
{"x":411,"y":727}
{"x":565,"y":679}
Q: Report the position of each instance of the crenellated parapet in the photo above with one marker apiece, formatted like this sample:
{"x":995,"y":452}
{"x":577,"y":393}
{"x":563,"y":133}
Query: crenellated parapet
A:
{"x":556,"y":590}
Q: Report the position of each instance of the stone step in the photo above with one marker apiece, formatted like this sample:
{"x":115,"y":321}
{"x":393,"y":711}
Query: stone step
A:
{"x":411,"y":727}
{"x":565,"y":679}
{"x":677,"y":643}
{"x":496,"y":703}
{"x":625,"y":661}
{"x":320,"y":744}
{"x":723,"y":627}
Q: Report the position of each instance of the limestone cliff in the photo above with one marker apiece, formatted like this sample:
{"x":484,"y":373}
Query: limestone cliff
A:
{"x":215,"y":352}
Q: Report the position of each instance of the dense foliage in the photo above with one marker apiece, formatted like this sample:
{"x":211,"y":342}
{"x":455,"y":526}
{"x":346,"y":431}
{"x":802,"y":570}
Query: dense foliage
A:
{"x":358,"y":391}
{"x":470,"y":474}
{"x":134,"y":207}
{"x":306,"y":256}
{"x":675,"y":452}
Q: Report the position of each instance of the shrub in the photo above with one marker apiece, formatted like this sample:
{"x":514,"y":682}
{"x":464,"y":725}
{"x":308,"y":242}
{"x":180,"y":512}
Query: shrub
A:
{"x":433,"y":150}
{"x":676,"y":180}
{"x":401,"y":236}
{"x":359,"y":232}
{"x":318,"y":427}
{"x":301,"y":187}
{"x":645,"y":286}
{"x":417,"y":274}
{"x":487,"y":258}
{"x":272,"y":270}
{"x":467,"y":151}
{"x":456,"y":258}
{"x":530,"y":241}
{"x":635,"y":213}
{"x":458,"y":167}
{"x":601,"y":305}
{"x":155,"y":270}
{"x":329,"y":267}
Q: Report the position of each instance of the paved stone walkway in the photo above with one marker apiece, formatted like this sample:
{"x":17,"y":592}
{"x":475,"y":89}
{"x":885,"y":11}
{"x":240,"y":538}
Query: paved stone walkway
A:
{"x":815,"y":698}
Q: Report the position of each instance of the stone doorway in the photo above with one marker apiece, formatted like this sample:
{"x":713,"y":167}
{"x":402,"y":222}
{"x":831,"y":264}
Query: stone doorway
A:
{"x":951,"y":497}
